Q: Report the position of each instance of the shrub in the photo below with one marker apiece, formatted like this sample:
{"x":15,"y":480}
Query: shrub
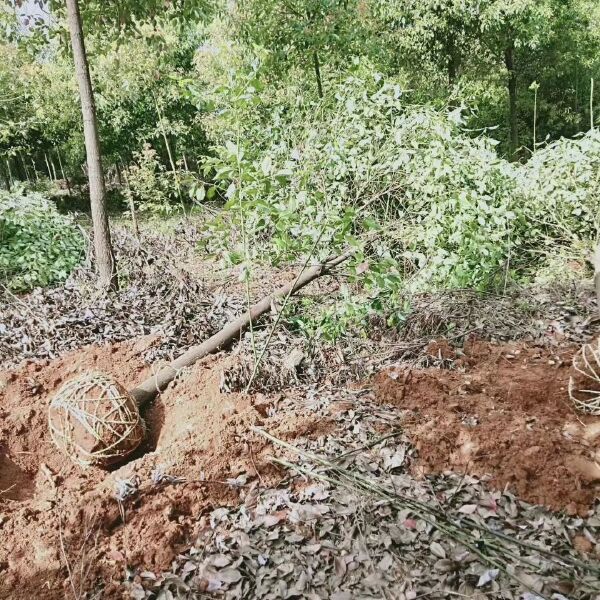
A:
{"x":440,"y":200}
{"x":38,"y":245}
{"x":561,"y":188}
{"x":425,"y":204}
{"x":148,"y":183}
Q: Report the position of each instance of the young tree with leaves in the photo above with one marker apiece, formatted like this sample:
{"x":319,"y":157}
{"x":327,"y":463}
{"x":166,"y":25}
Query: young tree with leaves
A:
{"x":443,"y":33}
{"x":510,"y":28}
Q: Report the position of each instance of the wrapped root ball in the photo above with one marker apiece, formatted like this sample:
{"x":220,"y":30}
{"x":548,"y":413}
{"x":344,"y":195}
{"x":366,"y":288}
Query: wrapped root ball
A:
{"x":95,"y":421}
{"x":584,"y":383}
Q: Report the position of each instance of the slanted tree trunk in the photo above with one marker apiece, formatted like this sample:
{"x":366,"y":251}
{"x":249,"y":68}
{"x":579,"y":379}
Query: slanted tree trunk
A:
{"x":156,"y":383}
{"x":596,"y":262}
{"x":10,"y":175}
{"x":25,"y":169}
{"x":35,"y":173}
{"x":171,"y":155}
{"x":453,"y":66}
{"x":105,"y":260}
{"x":129,"y":194}
{"x":509,"y":62}
{"x":48,"y":166}
{"x":119,"y":174}
{"x":6,"y":179}
{"x":317,"y":67}
{"x":53,"y":168}
{"x":592,"y":103}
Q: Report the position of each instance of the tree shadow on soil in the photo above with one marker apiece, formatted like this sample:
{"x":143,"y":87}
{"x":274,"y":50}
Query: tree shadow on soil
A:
{"x":15,"y":483}
{"x":154,"y":418}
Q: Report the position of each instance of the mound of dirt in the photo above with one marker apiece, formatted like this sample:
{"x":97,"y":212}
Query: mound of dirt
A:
{"x":63,"y":527}
{"x":503,"y":412}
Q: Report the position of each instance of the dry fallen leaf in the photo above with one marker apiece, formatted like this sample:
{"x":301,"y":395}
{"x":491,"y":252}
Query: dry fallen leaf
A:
{"x":437,"y":550}
{"x":487,"y":577}
{"x":228,"y":575}
{"x":582,"y":544}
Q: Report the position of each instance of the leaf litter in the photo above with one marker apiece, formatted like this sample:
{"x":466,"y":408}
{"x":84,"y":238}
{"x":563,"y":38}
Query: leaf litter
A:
{"x":204,"y":512}
{"x":158,"y":296}
{"x":324,"y":540}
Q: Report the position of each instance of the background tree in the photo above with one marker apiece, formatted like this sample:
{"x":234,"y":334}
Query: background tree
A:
{"x":512,"y":30}
{"x":105,"y":259}
{"x":305,"y":32}
{"x":443,"y":34}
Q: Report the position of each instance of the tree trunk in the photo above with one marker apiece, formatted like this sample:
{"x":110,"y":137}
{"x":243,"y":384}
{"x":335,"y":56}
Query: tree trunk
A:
{"x":509,"y":61}
{"x":317,"y":66}
{"x":6,"y":179}
{"x":170,"y":154}
{"x":53,"y":168}
{"x":119,"y":174}
{"x":156,"y":383}
{"x":453,"y":65}
{"x":10,"y":175}
{"x":129,"y":194}
{"x":25,"y":169}
{"x":596,"y":262}
{"x":48,"y":166}
{"x":592,"y":103}
{"x":62,"y":171}
{"x":35,"y":173}
{"x":105,"y":260}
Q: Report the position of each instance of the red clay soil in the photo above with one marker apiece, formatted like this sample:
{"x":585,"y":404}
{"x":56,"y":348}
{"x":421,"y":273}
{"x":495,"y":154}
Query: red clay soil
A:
{"x":53,"y":512}
{"x":503,"y":412}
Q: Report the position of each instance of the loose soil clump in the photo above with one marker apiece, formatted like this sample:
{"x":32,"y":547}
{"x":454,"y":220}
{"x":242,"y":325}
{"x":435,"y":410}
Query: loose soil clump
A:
{"x":503,"y":412}
{"x":56,"y":517}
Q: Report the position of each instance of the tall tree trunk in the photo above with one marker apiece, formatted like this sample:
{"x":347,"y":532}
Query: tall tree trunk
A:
{"x":592,"y":103}
{"x":170,"y":154}
{"x":317,"y":66}
{"x":6,"y":179}
{"x":134,"y":220}
{"x":53,"y":168}
{"x":453,"y":65}
{"x":25,"y":169}
{"x":35,"y":173}
{"x":105,"y":260}
{"x":10,"y":175}
{"x":509,"y":62}
{"x":119,"y":174}
{"x":48,"y":166}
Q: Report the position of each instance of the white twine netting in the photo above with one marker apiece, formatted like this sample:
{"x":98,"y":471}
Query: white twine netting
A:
{"x":584,"y":384}
{"x":94,"y":420}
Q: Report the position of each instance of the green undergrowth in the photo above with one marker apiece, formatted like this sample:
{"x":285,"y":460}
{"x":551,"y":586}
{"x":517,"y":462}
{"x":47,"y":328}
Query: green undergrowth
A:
{"x":38,"y":245}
